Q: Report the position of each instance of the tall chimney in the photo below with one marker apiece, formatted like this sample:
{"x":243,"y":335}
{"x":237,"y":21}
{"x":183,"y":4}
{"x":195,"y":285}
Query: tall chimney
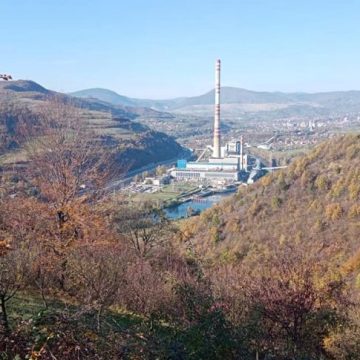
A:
{"x":241,"y":154}
{"x":217,"y":148}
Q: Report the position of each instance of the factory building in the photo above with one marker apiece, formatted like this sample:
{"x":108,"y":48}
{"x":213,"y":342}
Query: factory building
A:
{"x":226,"y":163}
{"x":202,"y":171}
{"x":199,"y":175}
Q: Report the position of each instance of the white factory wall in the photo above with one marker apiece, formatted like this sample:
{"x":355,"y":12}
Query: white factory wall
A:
{"x":215,"y":166}
{"x":227,"y":160}
{"x":202,"y":175}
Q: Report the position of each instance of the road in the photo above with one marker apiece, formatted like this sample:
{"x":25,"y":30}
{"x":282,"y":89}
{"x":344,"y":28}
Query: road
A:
{"x":129,"y":175}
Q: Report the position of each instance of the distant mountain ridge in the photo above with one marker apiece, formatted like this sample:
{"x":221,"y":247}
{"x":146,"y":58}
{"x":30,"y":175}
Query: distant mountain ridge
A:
{"x":116,"y":99}
{"x":31,"y":89}
{"x":104,"y":95}
{"x":335,"y":100}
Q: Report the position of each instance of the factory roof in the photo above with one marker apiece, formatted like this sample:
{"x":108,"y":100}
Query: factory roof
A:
{"x":208,"y":171}
{"x":209,"y":163}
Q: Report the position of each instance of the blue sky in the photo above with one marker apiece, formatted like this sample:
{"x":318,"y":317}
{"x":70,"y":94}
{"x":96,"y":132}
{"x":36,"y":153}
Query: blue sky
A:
{"x":167,"y":48}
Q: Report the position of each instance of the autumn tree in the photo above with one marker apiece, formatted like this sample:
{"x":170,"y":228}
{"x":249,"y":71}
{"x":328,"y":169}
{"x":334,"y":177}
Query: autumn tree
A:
{"x":343,"y":343}
{"x":206,"y":330}
{"x":70,"y":163}
{"x":145,"y":228}
{"x":11,"y":280}
{"x":95,"y":276}
{"x":297,"y":301}
{"x":70,"y":168}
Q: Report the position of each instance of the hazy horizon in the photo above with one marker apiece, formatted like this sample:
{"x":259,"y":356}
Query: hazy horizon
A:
{"x":161,"y":50}
{"x":209,"y":90}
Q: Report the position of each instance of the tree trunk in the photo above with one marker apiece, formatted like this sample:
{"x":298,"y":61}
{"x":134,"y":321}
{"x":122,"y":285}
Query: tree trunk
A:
{"x":62,"y":277}
{"x":44,"y":298}
{"x":98,"y":318}
{"x":5,"y":319}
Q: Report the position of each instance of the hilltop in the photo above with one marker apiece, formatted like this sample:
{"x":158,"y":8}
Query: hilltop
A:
{"x":138,"y":145}
{"x":105,"y":95}
{"x":25,"y":90}
{"x":22,"y":86}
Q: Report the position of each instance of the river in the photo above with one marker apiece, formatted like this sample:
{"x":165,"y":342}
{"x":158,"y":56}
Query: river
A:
{"x":182,"y":210}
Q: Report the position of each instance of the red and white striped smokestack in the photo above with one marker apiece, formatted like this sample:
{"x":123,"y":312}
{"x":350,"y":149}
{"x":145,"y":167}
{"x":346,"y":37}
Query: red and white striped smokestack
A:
{"x":241,"y":154}
{"x":217,"y":147}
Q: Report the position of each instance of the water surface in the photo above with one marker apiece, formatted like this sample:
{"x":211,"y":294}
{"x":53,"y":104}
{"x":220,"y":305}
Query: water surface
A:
{"x":182,"y":210}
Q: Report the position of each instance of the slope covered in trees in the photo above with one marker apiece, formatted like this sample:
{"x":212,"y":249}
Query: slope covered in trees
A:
{"x":21,"y":101}
{"x":285,"y":251}
{"x":85,"y":276}
{"x":314,"y":201}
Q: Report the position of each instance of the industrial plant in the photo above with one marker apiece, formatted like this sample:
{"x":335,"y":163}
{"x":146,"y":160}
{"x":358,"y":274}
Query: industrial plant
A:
{"x":226,"y":164}
{"x":217,"y":170}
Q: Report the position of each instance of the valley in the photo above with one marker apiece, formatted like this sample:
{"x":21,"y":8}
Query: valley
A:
{"x":179,"y":180}
{"x":297,"y":120}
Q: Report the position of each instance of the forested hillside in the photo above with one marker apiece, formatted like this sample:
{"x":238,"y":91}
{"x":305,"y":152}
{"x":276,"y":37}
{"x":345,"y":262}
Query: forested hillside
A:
{"x":136,"y":145}
{"x":315,"y":201}
{"x":294,"y":233}
{"x":272,"y":273}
